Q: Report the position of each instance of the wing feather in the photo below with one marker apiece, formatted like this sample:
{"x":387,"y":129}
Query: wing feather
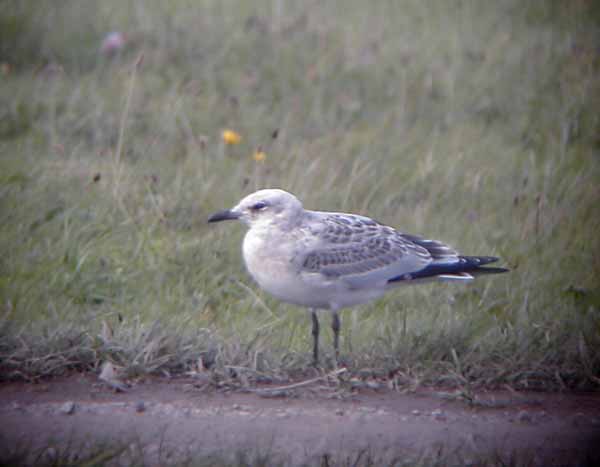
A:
{"x":362,"y":252}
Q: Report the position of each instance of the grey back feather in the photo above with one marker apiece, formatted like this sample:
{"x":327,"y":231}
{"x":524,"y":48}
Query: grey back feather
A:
{"x":362,"y":252}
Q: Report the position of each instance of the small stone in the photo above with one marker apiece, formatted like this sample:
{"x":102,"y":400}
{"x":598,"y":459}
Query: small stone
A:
{"x":16,"y":406}
{"x":416,"y":412}
{"x":373,"y":385}
{"x":140,"y":406}
{"x":578,"y":419}
{"x":274,"y":394}
{"x":152,"y":449}
{"x":261,"y":379}
{"x":51,"y":454}
{"x":356,"y":384}
{"x":109,"y":376}
{"x":67,"y":408}
{"x":524,"y":417}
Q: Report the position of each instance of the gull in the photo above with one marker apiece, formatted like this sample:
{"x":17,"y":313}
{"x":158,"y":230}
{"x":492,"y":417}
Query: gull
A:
{"x":329,"y":260}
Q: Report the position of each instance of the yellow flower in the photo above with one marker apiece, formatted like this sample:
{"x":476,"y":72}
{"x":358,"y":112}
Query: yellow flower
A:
{"x":231,"y":137}
{"x":259,"y":155}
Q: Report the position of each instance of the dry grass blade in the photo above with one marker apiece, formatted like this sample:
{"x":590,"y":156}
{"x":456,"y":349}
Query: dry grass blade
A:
{"x":308,"y":382}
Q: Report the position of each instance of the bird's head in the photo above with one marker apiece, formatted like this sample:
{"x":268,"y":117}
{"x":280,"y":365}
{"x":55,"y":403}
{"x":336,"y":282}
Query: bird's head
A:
{"x":263,"y":207}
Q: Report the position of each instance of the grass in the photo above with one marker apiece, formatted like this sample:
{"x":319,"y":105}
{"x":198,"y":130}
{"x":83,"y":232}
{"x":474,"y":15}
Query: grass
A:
{"x":136,"y":454}
{"x":475,"y":124}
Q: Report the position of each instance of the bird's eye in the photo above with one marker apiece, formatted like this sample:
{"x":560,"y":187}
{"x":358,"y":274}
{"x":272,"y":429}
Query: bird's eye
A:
{"x":258,"y":206}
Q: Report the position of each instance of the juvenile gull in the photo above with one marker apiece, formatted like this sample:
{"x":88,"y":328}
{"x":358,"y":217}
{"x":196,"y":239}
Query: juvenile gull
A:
{"x":329,"y":260}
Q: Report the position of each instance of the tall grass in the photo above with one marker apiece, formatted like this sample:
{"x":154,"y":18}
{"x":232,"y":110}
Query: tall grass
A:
{"x":476,"y":124}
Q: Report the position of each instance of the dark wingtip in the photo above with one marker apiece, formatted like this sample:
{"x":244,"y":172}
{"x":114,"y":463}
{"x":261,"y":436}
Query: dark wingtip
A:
{"x":480,"y":260}
{"x":488,"y":271}
{"x":468,"y":264}
{"x":475,"y":265}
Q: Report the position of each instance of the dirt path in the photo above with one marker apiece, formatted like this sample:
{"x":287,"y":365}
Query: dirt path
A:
{"x":172,"y":418}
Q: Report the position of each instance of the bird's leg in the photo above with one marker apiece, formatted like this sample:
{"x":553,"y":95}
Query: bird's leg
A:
{"x":315,"y":334}
{"x":335,"y":326}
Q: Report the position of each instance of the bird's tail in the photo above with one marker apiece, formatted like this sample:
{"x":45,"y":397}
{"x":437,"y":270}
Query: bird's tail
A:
{"x":464,"y":269}
{"x":474,"y":265}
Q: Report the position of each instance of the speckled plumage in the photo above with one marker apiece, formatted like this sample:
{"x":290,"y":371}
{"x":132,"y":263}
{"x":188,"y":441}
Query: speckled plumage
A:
{"x":327,"y":260}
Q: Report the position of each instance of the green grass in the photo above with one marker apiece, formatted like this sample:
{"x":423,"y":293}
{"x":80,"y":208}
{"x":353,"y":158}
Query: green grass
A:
{"x":136,"y":454}
{"x":475,"y":124}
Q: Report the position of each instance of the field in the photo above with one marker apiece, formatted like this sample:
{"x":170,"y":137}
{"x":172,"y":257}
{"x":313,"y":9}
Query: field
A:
{"x":476,"y":124}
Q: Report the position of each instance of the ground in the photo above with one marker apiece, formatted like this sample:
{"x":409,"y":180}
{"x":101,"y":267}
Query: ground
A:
{"x":169,"y":419}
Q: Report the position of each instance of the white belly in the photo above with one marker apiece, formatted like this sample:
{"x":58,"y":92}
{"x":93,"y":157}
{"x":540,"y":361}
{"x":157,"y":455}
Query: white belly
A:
{"x":273,"y":267}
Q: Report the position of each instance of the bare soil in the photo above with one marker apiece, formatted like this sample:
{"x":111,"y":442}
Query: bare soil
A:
{"x":172,"y":418}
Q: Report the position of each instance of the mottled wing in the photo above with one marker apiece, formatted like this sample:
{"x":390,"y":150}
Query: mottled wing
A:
{"x":362,"y":252}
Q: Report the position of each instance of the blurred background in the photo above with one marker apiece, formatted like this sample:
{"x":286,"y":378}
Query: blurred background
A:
{"x":124,"y":124}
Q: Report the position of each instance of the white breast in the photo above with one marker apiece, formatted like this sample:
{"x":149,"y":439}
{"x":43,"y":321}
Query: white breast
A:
{"x":270,"y":262}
